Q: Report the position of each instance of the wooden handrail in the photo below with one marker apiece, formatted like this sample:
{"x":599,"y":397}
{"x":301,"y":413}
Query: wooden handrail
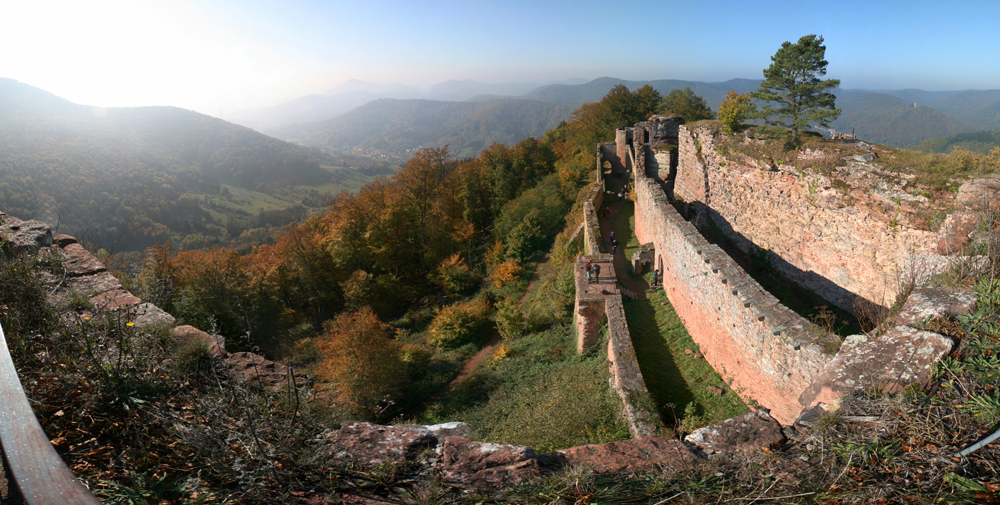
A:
{"x":39,"y":471}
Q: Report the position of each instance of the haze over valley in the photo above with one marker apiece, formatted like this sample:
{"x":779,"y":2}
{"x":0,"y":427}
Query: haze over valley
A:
{"x":501,"y":252}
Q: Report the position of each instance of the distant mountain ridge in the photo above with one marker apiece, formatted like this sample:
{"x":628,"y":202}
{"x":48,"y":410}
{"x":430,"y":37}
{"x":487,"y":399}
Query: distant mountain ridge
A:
{"x":143,"y":172}
{"x":401,"y":126}
{"x":355,"y":93}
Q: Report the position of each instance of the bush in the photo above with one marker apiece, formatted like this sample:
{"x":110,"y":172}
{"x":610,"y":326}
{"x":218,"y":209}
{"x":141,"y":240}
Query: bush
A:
{"x":459,"y":324}
{"x":455,"y":276}
{"x":510,"y":318}
{"x":506,"y":272}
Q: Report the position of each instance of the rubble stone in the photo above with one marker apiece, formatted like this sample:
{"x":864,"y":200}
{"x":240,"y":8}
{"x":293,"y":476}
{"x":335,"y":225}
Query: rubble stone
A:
{"x":639,"y":455}
{"x":748,"y":432}
{"x":369,"y":444}
{"x":901,"y":357}
{"x":482,"y":465}
{"x":924,"y":303}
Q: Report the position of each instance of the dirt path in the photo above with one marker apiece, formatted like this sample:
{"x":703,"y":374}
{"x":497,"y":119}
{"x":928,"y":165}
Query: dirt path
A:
{"x":493,"y":341}
{"x":635,"y":285}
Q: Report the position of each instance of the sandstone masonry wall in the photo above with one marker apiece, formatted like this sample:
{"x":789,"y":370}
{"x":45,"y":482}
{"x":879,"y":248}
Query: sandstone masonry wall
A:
{"x":592,"y":226}
{"x":768,"y":352}
{"x":599,"y":301}
{"x":839,"y":251}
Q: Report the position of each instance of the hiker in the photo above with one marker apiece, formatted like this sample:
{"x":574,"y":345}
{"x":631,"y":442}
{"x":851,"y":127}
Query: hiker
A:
{"x":656,"y":276}
{"x":597,"y":273}
{"x":612,"y":235}
{"x":614,"y":246}
{"x":586,"y":267}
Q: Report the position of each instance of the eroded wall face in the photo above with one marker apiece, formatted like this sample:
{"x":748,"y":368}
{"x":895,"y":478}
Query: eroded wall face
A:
{"x":839,"y":251}
{"x":769,"y":353}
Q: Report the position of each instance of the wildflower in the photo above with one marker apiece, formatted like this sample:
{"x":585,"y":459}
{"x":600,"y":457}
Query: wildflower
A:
{"x":86,"y":318}
{"x":130,"y":324}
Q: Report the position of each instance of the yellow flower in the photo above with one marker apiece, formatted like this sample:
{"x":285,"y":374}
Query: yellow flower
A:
{"x":86,"y":319}
{"x":129,"y":324}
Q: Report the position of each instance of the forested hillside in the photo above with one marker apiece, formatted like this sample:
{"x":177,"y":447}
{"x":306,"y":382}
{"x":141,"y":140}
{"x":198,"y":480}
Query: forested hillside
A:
{"x":400,"y":127}
{"x":437,"y":251}
{"x":713,"y":92}
{"x":979,"y":142}
{"x":144,"y":175}
{"x":888,"y":120}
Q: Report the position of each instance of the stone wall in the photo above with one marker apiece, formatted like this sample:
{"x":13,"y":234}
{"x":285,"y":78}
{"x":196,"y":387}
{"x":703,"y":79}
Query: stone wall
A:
{"x":598,"y":302}
{"x":592,"y":227}
{"x":839,"y":248}
{"x":768,"y":352}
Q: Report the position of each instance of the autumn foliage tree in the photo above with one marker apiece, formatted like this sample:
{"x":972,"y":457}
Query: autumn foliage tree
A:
{"x":362,"y":362}
{"x":734,"y":110}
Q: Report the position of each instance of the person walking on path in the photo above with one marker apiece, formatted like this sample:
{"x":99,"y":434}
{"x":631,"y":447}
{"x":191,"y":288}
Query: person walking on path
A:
{"x":656,"y":276}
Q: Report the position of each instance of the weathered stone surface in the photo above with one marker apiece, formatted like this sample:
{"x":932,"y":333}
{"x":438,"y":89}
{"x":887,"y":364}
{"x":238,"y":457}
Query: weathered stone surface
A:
{"x":263,"y":372}
{"x":63,"y":240}
{"x":901,"y":357}
{"x":639,"y":455}
{"x":100,"y":282}
{"x":838,"y":242}
{"x":147,"y":314}
{"x":367,"y":444}
{"x":924,"y":303}
{"x":979,"y":194}
{"x":445,"y":430}
{"x":483,"y":465}
{"x":26,"y":236}
{"x":78,"y":261}
{"x":956,"y":231}
{"x":748,"y":432}
{"x":186,"y":334}
{"x":114,"y":299}
{"x":714,"y":390}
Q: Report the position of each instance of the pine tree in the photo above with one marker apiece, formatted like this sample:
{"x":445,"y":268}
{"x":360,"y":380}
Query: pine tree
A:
{"x":792,"y":89}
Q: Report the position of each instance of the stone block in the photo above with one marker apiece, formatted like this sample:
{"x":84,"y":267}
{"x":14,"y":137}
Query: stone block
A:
{"x":78,"y":261}
{"x":642,"y":455}
{"x":147,"y":314}
{"x":925,"y":303}
{"x":187,"y":334}
{"x":482,"y":465}
{"x":748,"y":432}
{"x":367,"y":444}
{"x":25,"y":236}
{"x":901,"y":357}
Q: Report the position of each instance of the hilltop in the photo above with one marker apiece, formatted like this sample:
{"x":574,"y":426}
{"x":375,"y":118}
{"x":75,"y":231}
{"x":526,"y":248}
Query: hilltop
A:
{"x":147,"y":174}
{"x":400,"y":127}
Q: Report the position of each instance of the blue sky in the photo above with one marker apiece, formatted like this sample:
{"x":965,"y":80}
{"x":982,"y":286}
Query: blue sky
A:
{"x":219,"y":56}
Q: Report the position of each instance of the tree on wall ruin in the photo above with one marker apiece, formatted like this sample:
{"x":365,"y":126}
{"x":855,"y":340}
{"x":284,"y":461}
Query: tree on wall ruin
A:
{"x":792,"y":92}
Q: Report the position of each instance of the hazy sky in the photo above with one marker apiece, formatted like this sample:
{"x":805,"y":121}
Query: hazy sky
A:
{"x":215,"y":56}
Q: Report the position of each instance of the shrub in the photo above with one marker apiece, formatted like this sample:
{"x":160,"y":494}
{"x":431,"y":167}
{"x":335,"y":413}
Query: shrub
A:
{"x":362,"y":361}
{"x":734,"y":110}
{"x":459,"y":324}
{"x":510,"y":318}
{"x":455,"y":276}
{"x":506,"y":272}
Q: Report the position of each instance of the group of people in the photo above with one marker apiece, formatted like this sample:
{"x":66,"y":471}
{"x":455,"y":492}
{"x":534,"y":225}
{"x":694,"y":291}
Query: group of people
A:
{"x":623,"y":194}
{"x":593,"y":272}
